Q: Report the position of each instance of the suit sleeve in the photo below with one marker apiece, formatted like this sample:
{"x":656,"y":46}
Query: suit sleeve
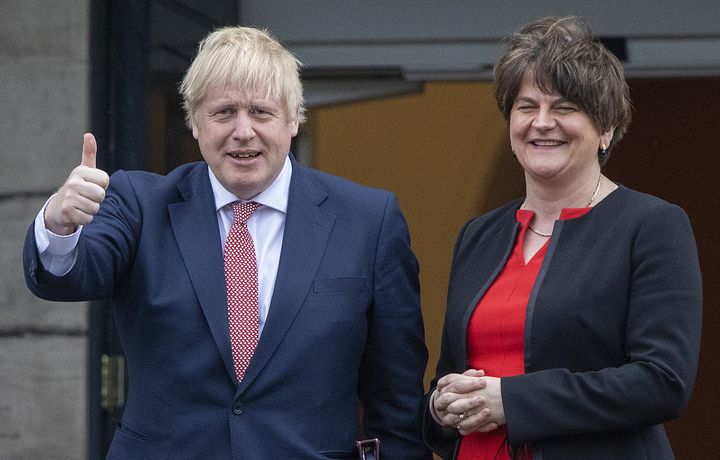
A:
{"x":662,"y":339}
{"x":105,"y":249}
{"x":443,"y":440}
{"x":391,"y":379}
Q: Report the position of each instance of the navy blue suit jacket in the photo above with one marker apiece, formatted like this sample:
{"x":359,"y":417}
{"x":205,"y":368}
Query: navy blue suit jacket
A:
{"x":344,"y":322}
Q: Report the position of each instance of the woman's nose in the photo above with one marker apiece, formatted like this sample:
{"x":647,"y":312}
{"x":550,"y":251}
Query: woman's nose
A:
{"x":544,"y":119}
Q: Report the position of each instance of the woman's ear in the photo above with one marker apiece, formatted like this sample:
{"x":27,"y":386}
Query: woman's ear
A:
{"x":606,"y":138}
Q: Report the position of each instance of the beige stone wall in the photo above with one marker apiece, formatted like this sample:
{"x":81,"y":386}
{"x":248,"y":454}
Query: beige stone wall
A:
{"x":44,"y":95}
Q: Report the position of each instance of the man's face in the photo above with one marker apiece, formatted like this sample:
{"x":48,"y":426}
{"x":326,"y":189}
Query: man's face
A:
{"x":243,"y":138}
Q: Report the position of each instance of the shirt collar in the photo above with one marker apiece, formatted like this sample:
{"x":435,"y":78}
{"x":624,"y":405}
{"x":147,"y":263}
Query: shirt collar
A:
{"x":275,"y":196}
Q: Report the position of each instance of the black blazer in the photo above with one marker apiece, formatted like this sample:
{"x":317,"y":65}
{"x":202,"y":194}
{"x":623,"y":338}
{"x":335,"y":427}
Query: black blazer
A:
{"x":612,"y":332}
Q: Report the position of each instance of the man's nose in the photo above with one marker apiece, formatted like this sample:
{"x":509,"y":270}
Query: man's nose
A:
{"x":244,"y":130}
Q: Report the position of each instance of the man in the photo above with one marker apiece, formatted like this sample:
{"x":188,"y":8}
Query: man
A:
{"x":257,"y":300}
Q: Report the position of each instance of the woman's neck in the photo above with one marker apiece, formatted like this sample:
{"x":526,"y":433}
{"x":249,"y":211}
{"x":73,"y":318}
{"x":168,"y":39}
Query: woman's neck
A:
{"x":548,"y":198}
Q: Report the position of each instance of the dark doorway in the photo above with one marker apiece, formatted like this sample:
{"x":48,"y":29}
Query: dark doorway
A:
{"x":139,"y":51}
{"x":670,"y":152}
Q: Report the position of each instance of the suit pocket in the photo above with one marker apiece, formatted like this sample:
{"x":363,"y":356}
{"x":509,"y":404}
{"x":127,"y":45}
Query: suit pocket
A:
{"x":348,"y":284}
{"x":124,"y":428}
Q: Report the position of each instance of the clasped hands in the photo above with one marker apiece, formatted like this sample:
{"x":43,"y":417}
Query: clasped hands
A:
{"x":470,"y":402}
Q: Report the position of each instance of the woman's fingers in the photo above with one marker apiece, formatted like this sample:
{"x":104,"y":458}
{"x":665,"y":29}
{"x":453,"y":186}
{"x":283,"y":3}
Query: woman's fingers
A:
{"x":475,"y":420}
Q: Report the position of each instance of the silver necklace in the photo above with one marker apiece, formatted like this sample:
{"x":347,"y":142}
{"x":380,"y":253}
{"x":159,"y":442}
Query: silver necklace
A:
{"x":592,"y":198}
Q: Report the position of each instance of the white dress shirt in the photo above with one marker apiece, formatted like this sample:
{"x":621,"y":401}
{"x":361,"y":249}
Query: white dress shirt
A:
{"x":58,"y":253}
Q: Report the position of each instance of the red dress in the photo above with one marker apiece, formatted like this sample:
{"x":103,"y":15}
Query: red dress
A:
{"x":496,"y":331}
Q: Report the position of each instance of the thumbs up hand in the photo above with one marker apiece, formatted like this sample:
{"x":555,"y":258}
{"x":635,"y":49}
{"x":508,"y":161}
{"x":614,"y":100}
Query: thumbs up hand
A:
{"x":78,"y":200}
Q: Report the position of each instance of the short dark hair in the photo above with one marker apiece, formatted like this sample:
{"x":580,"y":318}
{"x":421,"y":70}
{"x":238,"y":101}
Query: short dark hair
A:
{"x":562,"y":55}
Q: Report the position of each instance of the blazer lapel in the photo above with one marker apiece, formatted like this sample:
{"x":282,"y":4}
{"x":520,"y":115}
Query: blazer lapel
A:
{"x":307,"y":230}
{"x":195,"y":224}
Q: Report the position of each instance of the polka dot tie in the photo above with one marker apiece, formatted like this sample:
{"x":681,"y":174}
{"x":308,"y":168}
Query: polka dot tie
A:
{"x":241,"y":279}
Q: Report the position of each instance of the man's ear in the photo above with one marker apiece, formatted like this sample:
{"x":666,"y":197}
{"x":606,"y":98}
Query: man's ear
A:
{"x":295,"y":123}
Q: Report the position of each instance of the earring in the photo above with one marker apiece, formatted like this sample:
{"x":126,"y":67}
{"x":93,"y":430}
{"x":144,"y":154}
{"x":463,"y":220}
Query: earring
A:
{"x":603,"y":151}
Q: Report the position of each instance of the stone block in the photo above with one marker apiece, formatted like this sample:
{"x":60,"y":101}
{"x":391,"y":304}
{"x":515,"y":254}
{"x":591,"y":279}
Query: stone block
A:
{"x":43,"y":411}
{"x":45,"y":28}
{"x":20,"y":310}
{"x":45,"y":112}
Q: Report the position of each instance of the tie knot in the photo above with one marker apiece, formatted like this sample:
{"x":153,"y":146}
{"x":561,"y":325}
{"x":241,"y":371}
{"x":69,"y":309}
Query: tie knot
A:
{"x":243,"y":211}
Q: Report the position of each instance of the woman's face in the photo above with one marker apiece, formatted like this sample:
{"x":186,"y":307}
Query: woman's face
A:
{"x":552,"y":137}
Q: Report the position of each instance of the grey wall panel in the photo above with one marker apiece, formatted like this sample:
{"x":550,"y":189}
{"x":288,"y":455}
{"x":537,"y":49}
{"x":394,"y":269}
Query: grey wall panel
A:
{"x":435,"y":40}
{"x":44,"y":65}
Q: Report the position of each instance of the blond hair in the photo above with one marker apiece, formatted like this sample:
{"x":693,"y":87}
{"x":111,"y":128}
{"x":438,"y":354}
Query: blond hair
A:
{"x":249,"y":59}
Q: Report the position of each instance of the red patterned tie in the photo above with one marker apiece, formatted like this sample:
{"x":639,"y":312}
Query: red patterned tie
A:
{"x":241,"y":278}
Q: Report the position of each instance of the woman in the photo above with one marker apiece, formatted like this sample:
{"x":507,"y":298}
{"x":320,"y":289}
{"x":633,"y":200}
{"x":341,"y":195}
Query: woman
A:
{"x":573,"y":321}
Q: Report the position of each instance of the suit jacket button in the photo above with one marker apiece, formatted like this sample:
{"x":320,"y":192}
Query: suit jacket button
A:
{"x":237,"y":408}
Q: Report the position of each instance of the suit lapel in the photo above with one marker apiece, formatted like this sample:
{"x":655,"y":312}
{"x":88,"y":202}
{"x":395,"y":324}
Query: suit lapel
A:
{"x":307,"y":230}
{"x":194,"y":222}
